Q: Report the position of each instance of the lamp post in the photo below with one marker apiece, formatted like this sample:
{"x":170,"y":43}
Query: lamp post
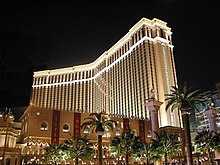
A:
{"x":7,"y":118}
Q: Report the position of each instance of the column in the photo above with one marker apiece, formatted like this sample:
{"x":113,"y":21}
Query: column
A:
{"x":153,"y":105}
{"x":211,"y":114}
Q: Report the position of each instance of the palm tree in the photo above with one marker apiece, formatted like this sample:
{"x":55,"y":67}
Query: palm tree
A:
{"x":115,"y":148}
{"x":207,"y":141}
{"x":149,"y":151}
{"x":184,"y":99}
{"x":54,"y":152}
{"x":98,"y":123}
{"x":80,"y":148}
{"x":168,"y":144}
{"x":127,"y":144}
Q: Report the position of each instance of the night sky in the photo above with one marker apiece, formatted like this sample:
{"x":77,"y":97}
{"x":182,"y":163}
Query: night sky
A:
{"x":39,"y":35}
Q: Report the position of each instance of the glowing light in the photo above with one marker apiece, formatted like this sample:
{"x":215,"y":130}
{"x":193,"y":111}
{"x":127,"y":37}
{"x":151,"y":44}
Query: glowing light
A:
{"x":108,"y":67}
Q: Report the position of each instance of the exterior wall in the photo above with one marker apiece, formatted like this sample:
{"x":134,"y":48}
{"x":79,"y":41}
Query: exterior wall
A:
{"x":11,"y":154}
{"x":9,"y":132}
{"x":199,"y":120}
{"x":119,"y":81}
{"x":67,"y":117}
{"x":36,"y":139}
{"x":203,"y":122}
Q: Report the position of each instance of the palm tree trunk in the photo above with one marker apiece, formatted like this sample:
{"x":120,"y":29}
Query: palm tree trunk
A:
{"x":210,"y":157}
{"x":166,"y":160}
{"x":186,"y":128}
{"x":100,"y":148}
{"x":76,"y":161}
{"x":118,"y":161}
{"x":147,"y":161}
{"x":126,"y":159}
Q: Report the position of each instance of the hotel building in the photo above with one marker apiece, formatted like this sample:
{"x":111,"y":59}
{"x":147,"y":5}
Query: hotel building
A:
{"x":201,"y":121}
{"x":118,"y":83}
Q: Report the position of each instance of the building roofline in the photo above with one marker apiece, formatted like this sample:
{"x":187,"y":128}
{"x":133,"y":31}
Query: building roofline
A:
{"x":154,"y":22}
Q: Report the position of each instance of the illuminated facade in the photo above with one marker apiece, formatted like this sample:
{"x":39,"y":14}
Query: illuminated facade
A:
{"x":119,"y":81}
{"x":10,"y":152}
{"x":201,"y":121}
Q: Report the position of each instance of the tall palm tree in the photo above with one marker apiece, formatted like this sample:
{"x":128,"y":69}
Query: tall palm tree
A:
{"x":168,"y":144}
{"x":54,"y":153}
{"x":80,"y":148}
{"x":184,"y":99}
{"x":126,"y":145}
{"x":207,"y":141}
{"x":98,"y":123}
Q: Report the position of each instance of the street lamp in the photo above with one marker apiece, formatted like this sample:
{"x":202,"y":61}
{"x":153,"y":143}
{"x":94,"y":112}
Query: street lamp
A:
{"x":7,"y":118}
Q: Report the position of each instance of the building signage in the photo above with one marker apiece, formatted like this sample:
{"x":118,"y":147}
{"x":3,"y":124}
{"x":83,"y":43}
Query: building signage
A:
{"x":126,"y":125}
{"x":142,"y":130}
{"x":55,"y":127}
{"x":77,"y":123}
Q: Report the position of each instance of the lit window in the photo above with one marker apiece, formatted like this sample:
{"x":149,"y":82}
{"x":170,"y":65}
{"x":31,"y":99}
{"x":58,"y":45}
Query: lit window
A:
{"x":118,"y":132}
{"x":149,"y":133}
{"x":134,"y":132}
{"x":66,"y":128}
{"x":86,"y":130}
{"x":44,"y":126}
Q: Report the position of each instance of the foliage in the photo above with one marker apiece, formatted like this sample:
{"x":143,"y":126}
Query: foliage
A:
{"x":207,"y":141}
{"x":168,"y":144}
{"x":149,"y":151}
{"x":80,"y":147}
{"x":127,"y":145}
{"x":115,"y":147}
{"x":98,"y":123}
{"x":183,"y":97}
{"x":216,"y":138}
{"x":55,"y":153}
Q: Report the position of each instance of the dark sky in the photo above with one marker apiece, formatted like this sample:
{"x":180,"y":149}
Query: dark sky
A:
{"x":38,"y":35}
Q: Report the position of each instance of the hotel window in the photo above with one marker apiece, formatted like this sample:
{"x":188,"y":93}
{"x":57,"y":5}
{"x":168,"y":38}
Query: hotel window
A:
{"x":82,"y":75}
{"x":161,"y":33}
{"x":149,"y":133}
{"x":86,"y":130}
{"x":44,"y":126}
{"x":66,"y":128}
{"x":132,"y":40}
{"x":139,"y":35}
{"x":118,"y":132}
{"x":86,"y":74}
{"x":126,"y":49}
{"x":143,"y":31}
{"x":56,"y":78}
{"x":147,"y":32}
{"x":134,"y":131}
{"x":136,"y":39}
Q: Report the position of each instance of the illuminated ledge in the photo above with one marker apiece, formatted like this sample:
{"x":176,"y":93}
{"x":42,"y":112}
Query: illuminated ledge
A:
{"x":144,"y":21}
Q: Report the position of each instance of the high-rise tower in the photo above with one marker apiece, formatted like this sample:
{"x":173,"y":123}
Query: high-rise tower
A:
{"x":119,"y":81}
